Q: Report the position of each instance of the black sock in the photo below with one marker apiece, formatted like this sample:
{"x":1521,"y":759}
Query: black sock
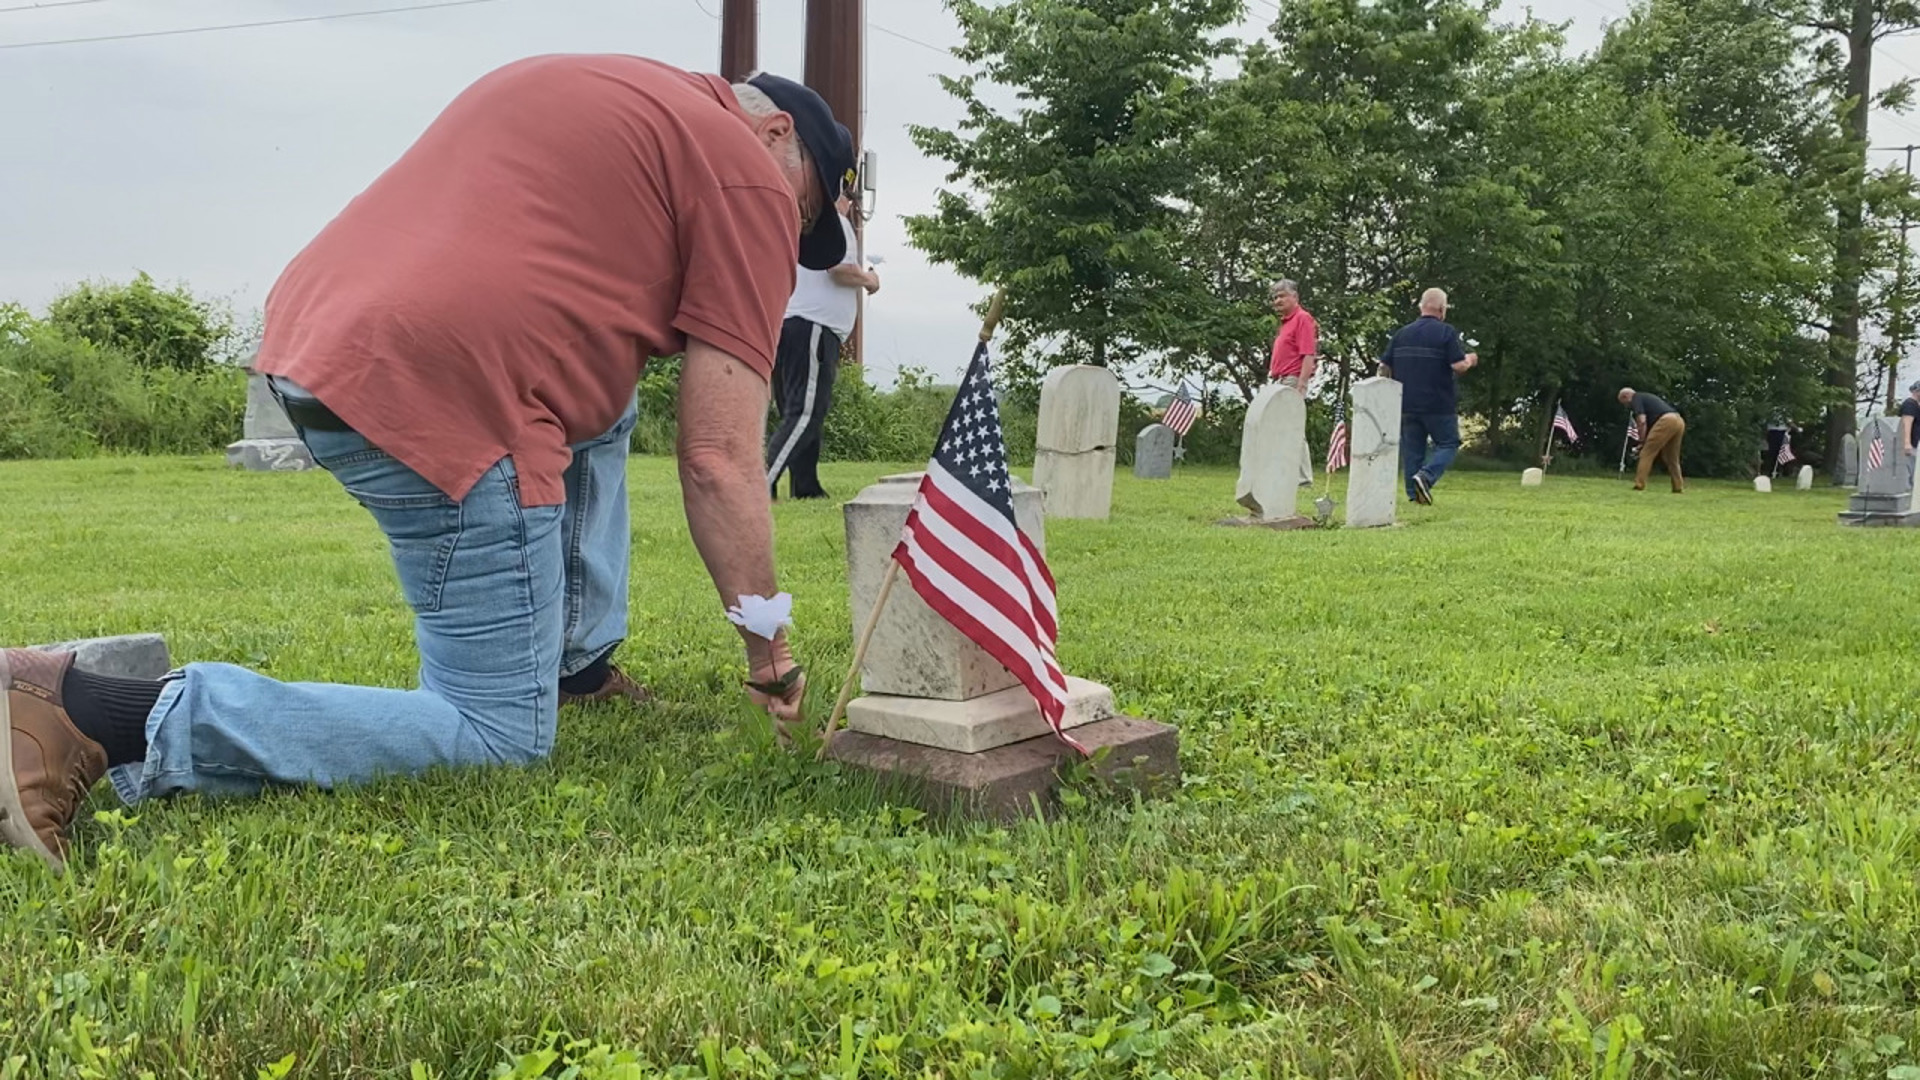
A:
{"x":112,"y":712}
{"x":587,"y":679}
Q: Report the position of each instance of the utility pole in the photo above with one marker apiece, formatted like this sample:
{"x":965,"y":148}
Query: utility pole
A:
{"x":835,"y":69}
{"x":739,"y":38}
{"x":1902,"y":320}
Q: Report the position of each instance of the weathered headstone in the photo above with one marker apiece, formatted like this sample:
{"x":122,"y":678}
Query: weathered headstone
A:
{"x":1373,"y":479}
{"x":1079,"y":432}
{"x":944,"y":720}
{"x":1803,"y":480}
{"x":1272,"y":454}
{"x":1533,"y":477}
{"x":268,"y":440}
{"x":1153,"y":452}
{"x":1763,"y":485}
{"x":1884,"y":497}
{"x":1849,"y":464}
{"x":127,"y":656}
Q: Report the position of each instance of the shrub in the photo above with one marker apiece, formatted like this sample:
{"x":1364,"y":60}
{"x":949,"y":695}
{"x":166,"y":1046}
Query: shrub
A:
{"x":154,"y":327}
{"x":65,"y":397}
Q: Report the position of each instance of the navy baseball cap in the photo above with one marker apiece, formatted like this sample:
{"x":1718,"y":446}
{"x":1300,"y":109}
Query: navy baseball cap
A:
{"x":823,"y":244}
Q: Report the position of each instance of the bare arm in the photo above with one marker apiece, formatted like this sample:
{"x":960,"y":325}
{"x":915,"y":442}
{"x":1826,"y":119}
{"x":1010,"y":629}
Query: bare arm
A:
{"x":1466,"y":362}
{"x":1906,"y":431}
{"x":723,"y":481}
{"x":855,"y":278}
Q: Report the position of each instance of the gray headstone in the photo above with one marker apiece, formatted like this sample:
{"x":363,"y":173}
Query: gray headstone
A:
{"x":1883,"y":488}
{"x":1273,"y":447}
{"x":129,"y":656}
{"x":1803,"y":480}
{"x":1848,"y":473}
{"x":1078,"y":435}
{"x":1373,"y":479}
{"x":1153,"y":452}
{"x":268,"y":440}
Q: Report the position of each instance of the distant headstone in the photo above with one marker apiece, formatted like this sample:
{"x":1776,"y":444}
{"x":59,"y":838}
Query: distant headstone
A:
{"x":1803,"y":480}
{"x":1763,"y":485}
{"x":1153,"y":452}
{"x":269,"y":442}
{"x":1884,"y":496}
{"x":1848,"y":472}
{"x":1079,"y":432}
{"x":1533,"y":477}
{"x":1373,"y":481}
{"x":1273,"y":450}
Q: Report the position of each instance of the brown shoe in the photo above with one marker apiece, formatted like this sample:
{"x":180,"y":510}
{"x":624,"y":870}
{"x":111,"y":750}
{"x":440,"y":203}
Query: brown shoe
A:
{"x":46,"y":766}
{"x":618,"y":685}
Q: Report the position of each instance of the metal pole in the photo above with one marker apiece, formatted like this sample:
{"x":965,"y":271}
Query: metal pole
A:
{"x":1902,"y":316}
{"x":739,"y":38}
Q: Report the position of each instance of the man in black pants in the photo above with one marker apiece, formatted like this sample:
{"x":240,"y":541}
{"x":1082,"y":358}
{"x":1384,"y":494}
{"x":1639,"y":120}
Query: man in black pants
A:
{"x":819,"y":317}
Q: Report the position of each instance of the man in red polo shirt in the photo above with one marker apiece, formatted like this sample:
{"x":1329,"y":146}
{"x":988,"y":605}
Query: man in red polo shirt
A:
{"x":460,"y":347}
{"x":1296,"y":348}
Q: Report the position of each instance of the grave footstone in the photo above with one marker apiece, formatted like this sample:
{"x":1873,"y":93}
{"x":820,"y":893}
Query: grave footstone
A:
{"x":1763,"y":485}
{"x":1078,"y":433}
{"x":269,"y":442}
{"x":1533,"y":477}
{"x":1803,"y":480}
{"x":1884,"y":497}
{"x":1373,"y":478}
{"x":126,"y":656}
{"x":943,"y":721}
{"x":1272,"y":455}
{"x":1153,"y":452}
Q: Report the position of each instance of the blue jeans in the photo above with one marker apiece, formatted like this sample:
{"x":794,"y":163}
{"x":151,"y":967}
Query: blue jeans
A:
{"x":506,"y":600}
{"x":1415,"y":430}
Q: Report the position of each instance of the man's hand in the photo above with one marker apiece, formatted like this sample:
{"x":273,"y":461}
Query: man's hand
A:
{"x":873,"y":282}
{"x":1471,"y":361}
{"x":722,"y":414}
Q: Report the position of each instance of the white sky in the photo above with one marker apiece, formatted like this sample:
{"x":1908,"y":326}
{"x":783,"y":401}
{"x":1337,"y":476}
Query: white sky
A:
{"x":211,"y":158}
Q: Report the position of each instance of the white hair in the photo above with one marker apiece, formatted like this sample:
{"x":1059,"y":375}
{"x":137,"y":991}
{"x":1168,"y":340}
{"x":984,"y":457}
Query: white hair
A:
{"x":1434,"y":300}
{"x":1286,"y":285}
{"x":755,"y":103}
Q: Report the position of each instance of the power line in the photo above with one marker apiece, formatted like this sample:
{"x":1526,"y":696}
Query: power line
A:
{"x":49,"y":4}
{"x":245,"y":25}
{"x":941,"y":49}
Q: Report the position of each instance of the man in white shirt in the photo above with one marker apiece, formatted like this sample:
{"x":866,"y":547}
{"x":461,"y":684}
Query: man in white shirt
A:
{"x":820,"y":315}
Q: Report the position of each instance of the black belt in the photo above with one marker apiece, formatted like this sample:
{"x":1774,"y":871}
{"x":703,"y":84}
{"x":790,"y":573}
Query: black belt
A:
{"x":309,"y":413}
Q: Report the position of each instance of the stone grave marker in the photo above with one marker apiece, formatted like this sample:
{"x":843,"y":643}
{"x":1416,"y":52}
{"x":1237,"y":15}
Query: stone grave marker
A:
{"x":1373,"y":477}
{"x":127,"y":656}
{"x":1153,"y":452}
{"x":1847,"y":471}
{"x":268,"y":440}
{"x":1803,"y":480}
{"x":1763,"y":485}
{"x":1079,"y":432}
{"x":944,"y":720}
{"x":1273,"y":455}
{"x":1533,"y":477}
{"x":1884,"y":496}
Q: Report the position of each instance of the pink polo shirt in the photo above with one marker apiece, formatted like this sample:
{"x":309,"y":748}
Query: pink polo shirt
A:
{"x":1299,"y":337}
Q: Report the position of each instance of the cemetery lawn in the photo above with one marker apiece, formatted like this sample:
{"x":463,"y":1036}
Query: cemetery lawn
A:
{"x":1561,"y":782}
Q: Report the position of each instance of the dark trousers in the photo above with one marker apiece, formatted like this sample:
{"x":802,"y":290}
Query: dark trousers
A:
{"x":804,"y":368}
{"x":1416,"y":429}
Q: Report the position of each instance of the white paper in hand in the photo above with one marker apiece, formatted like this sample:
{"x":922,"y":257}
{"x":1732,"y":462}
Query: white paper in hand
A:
{"x":760,"y":616}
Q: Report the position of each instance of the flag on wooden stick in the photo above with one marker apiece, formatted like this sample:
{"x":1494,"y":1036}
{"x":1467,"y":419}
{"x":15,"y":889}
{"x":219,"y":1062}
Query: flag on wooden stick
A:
{"x":1337,"y":445}
{"x":967,"y":558}
{"x":1181,"y":412}
{"x":1564,"y":424}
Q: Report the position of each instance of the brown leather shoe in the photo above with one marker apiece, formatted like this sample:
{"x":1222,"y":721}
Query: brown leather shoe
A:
{"x":46,"y":766}
{"x":618,"y":685}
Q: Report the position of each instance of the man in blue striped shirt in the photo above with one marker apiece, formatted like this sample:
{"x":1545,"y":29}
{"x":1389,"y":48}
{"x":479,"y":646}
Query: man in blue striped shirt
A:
{"x":1424,"y":356}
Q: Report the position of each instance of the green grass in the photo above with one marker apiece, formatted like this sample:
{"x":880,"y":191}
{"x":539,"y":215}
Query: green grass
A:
{"x":1561,"y":782}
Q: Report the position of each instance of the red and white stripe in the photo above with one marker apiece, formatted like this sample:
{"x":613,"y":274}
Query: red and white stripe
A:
{"x":983,"y":575}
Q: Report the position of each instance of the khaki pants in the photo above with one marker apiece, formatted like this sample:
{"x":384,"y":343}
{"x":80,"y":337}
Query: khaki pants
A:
{"x":1292,"y":382}
{"x":1663,"y":442}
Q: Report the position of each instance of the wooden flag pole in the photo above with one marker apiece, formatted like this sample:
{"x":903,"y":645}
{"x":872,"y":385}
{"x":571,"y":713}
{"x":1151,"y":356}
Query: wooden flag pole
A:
{"x":992,"y":321}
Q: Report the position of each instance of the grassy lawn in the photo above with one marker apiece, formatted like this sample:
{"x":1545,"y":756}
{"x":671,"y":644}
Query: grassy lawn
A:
{"x":1560,"y":782}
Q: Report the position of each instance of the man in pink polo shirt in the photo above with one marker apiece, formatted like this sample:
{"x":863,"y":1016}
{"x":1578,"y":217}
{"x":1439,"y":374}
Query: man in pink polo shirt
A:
{"x":460,"y":348}
{"x":1296,"y":348}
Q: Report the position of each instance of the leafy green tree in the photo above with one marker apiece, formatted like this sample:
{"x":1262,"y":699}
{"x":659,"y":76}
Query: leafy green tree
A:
{"x":152,"y":326}
{"x":1067,"y":197}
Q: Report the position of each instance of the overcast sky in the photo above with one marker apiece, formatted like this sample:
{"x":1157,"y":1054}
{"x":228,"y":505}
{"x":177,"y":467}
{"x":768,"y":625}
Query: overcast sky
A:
{"x":210,"y":158}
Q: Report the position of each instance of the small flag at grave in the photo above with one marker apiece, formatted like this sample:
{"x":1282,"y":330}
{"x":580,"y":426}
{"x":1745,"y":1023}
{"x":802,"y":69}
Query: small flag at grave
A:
{"x":1181,"y":412}
{"x":1786,"y":449}
{"x":1876,"y":451}
{"x":968,"y":559}
{"x":1564,"y":423}
{"x":1633,"y":431}
{"x":1337,"y":445}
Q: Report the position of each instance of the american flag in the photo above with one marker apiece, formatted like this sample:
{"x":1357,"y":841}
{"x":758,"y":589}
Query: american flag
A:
{"x":1564,"y":423}
{"x":1786,"y":450}
{"x":1876,"y":451}
{"x":1337,"y":444}
{"x":970,"y":562}
{"x":1181,"y":412}
{"x":1633,"y":431}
